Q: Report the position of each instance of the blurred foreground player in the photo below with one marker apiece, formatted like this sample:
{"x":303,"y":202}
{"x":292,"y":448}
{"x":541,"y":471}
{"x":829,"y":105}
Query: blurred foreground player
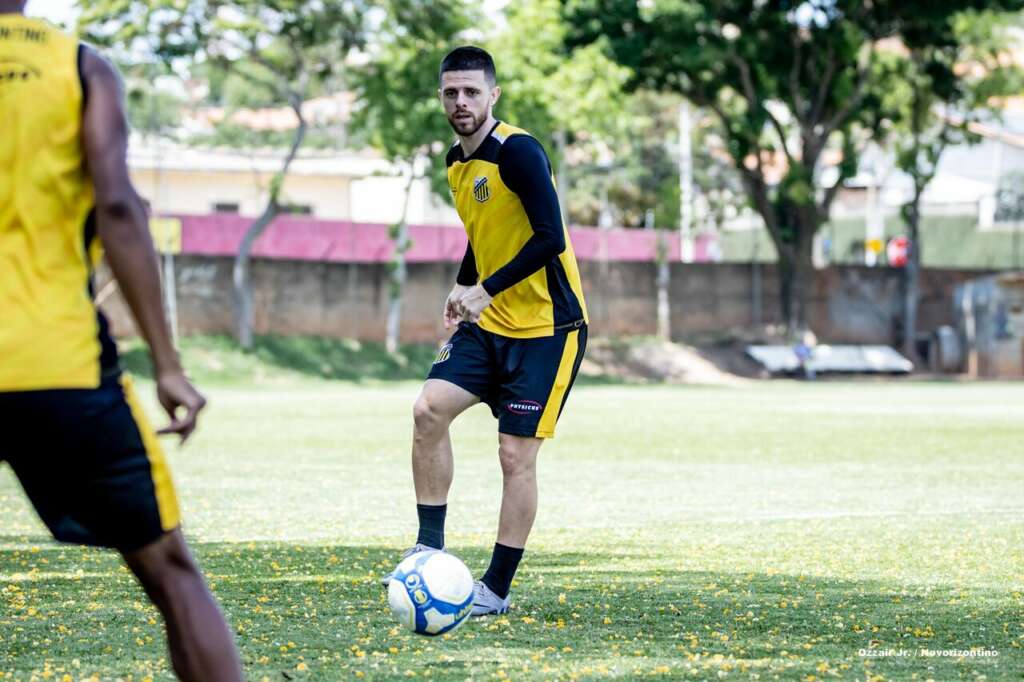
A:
{"x":72,"y":429}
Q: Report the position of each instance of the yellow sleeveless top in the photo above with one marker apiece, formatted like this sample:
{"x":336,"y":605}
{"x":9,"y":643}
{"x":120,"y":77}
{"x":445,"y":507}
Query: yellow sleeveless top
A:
{"x":51,"y":335}
{"x":543,"y":303}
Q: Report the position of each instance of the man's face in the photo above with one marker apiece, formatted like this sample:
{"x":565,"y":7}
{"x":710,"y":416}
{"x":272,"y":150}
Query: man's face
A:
{"x":468,"y":99}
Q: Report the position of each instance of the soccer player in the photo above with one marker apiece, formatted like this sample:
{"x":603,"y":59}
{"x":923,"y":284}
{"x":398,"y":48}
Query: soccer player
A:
{"x":520,"y":316}
{"x":72,"y":428}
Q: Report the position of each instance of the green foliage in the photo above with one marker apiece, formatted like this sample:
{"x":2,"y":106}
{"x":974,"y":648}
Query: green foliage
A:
{"x":546,"y":88}
{"x":292,"y":41}
{"x":252,"y":54}
{"x":787,"y":82}
{"x":397,"y":108}
{"x":940,"y":90}
{"x":150,"y":110}
{"x":277,"y":359}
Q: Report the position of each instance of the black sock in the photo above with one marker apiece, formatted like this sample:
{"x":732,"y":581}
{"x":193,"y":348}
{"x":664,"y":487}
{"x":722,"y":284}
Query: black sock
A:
{"x":504,"y":563}
{"x":431,"y":525}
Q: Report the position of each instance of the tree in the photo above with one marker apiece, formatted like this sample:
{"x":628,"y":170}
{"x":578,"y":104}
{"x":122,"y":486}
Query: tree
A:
{"x":566,"y":100}
{"x":400,"y":115}
{"x":935,"y":108}
{"x":790,"y":85}
{"x":282,"y":49}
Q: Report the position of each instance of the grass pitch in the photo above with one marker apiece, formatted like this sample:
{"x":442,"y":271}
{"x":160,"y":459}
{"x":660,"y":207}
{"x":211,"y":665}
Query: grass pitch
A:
{"x":782,"y":531}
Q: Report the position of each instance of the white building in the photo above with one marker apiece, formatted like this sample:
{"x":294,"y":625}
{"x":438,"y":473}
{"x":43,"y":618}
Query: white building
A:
{"x":360,"y":187}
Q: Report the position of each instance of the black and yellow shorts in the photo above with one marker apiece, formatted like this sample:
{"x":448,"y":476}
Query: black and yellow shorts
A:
{"x":90,"y":463}
{"x":524,"y":381}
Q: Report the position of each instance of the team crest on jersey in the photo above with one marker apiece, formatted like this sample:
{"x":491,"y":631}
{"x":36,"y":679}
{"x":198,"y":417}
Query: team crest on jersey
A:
{"x":481,"y":190}
{"x":443,"y":354}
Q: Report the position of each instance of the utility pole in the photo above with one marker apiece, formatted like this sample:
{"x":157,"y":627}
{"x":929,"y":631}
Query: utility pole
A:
{"x":685,"y":183}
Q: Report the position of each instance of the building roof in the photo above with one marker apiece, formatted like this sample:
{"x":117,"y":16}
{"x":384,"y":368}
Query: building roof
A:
{"x":164,"y":155}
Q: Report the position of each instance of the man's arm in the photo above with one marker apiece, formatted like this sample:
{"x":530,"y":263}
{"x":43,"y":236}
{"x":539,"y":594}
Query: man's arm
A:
{"x":525,"y":170}
{"x":468,"y":275}
{"x":123,"y":228}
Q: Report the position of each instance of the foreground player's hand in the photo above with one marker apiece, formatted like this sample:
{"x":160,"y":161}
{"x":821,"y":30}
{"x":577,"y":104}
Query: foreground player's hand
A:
{"x":473,"y":303}
{"x":452,"y":315}
{"x":177,"y":395}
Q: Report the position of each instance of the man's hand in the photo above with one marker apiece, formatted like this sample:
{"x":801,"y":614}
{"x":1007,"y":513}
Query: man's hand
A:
{"x":452,"y":314}
{"x":473,"y":302}
{"x":175,"y":393}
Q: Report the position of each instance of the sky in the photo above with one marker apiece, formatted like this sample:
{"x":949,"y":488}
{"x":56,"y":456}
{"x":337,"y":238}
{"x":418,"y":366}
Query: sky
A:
{"x":57,"y":11}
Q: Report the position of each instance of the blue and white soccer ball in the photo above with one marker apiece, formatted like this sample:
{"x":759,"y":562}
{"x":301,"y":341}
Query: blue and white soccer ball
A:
{"x":431,"y":592}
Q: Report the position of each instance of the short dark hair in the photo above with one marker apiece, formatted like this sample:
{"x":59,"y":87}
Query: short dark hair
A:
{"x":470,"y":58}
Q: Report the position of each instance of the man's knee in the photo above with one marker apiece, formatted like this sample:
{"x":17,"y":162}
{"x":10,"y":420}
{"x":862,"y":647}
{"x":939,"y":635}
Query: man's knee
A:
{"x":163,"y":566}
{"x":429,"y":416}
{"x":518,"y":458}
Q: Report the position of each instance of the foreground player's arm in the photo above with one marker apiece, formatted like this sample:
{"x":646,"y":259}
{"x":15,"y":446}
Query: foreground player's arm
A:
{"x":122,"y":226}
{"x":525,"y":170}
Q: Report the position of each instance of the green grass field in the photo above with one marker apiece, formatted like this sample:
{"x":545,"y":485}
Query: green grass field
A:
{"x":769,"y":532}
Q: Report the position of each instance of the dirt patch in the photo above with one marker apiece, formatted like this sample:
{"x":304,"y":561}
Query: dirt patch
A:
{"x":646,"y":360}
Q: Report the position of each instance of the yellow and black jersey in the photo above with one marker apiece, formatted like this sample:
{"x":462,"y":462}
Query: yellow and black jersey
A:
{"x":51,"y":335}
{"x":519,"y":250}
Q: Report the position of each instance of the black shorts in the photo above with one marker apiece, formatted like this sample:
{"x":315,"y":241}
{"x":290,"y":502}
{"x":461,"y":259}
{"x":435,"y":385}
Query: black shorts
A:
{"x":524,"y":381}
{"x":90,"y":464}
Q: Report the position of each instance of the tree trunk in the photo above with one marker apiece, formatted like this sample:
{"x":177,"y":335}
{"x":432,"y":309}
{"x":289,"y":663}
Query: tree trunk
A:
{"x":796,"y":278}
{"x":663,"y":281}
{"x":240,"y":275}
{"x":400,"y":235}
{"x":240,"y":272}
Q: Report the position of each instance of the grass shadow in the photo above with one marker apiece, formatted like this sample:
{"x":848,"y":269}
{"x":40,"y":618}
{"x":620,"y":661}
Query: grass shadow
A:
{"x":318,"y":612}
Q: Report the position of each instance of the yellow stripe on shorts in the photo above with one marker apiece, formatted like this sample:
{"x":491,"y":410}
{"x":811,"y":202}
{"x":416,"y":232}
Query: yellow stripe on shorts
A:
{"x":166,"y":498}
{"x":546,"y":427}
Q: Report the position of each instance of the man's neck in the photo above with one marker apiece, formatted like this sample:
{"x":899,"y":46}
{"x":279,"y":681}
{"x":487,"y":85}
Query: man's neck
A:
{"x":472,"y":143}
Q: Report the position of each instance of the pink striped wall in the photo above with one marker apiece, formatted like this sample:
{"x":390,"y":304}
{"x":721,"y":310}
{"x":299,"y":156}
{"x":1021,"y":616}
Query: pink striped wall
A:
{"x":304,"y":238}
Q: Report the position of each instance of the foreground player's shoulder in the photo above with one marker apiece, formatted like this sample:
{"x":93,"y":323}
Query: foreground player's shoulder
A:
{"x":97,"y":71}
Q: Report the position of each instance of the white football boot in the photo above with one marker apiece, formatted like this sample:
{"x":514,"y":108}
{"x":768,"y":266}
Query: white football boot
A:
{"x":485,"y":602}
{"x":415,"y":549}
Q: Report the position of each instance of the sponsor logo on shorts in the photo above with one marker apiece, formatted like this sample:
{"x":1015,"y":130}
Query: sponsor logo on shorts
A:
{"x":525,"y":407}
{"x":443,"y":354}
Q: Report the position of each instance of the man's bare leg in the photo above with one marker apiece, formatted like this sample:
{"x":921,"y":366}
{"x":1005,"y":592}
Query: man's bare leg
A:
{"x":518,"y":456}
{"x":201,"y":646}
{"x":433,"y":465}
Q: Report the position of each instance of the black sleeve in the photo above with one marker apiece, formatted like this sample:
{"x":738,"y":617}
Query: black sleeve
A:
{"x":468,"y":275}
{"x":525,"y":170}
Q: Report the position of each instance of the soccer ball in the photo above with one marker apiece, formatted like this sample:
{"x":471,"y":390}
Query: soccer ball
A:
{"x":431,"y":592}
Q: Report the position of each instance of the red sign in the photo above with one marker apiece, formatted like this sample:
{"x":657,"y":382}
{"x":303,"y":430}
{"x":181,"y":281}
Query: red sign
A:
{"x":897,"y":251}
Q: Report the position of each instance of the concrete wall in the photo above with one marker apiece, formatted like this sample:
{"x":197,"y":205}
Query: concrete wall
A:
{"x":849,"y":304}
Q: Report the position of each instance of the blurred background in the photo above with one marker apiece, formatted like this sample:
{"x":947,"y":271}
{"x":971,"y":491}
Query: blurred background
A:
{"x":825,"y":174}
